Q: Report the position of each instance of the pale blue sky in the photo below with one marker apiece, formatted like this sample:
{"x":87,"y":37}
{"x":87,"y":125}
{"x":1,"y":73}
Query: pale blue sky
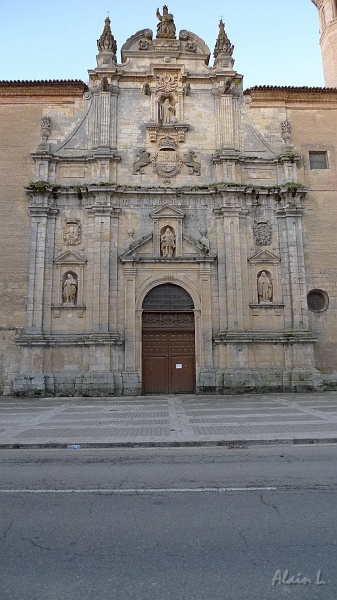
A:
{"x":276,"y":41}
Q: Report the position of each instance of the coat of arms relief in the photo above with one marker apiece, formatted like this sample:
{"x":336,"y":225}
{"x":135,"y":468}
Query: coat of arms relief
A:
{"x":71,"y":232}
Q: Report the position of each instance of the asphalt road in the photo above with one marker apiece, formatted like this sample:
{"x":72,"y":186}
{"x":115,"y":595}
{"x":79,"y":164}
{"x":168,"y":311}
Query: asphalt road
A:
{"x":146,"y":524}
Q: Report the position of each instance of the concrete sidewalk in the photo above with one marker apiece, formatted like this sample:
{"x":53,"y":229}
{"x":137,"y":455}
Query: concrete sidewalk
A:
{"x":168,"y":420}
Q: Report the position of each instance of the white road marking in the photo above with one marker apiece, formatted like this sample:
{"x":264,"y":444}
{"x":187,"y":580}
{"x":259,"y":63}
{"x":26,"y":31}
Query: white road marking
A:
{"x":140,"y":490}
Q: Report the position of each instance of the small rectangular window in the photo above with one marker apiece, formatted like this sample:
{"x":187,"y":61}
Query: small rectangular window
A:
{"x":318,"y":160}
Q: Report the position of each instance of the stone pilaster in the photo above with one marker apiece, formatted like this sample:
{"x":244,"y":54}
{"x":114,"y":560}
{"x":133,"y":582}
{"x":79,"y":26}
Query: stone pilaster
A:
{"x":206,"y":314}
{"x":222,"y":279}
{"x":105,"y":119}
{"x":101,"y":267}
{"x":37,"y":263}
{"x":130,"y":274}
{"x":232,"y":241}
{"x":113,"y":269}
{"x":292,"y":267}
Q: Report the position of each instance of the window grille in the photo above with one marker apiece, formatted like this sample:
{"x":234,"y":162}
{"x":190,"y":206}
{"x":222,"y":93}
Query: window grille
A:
{"x":168,"y":297}
{"x":318,"y":301}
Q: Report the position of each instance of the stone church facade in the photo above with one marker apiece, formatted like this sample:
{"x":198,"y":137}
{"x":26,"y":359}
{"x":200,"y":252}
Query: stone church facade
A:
{"x":165,"y":230}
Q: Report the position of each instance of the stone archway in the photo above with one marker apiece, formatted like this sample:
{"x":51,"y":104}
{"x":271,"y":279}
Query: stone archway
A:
{"x":168,"y":341}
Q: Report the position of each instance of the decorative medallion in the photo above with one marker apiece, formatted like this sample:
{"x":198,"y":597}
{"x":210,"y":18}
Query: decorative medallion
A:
{"x":262,"y":233}
{"x":71,"y":232}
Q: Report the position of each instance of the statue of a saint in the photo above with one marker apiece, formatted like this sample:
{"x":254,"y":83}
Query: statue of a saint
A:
{"x":264,"y":288}
{"x":167,"y":112}
{"x":69,"y":290}
{"x":167,"y":243}
{"x":166,"y":27}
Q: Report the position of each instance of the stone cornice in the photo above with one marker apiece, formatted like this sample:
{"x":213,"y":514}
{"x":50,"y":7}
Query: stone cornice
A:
{"x":290,"y":94}
{"x":71,"y":87}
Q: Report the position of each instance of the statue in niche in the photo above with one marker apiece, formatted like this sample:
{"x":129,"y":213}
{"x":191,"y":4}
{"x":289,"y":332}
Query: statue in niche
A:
{"x":143,"y":159}
{"x":166,"y":27}
{"x":264,"y":288}
{"x":167,"y":112}
{"x":167,"y":243}
{"x":191,"y":163}
{"x":69,"y":289}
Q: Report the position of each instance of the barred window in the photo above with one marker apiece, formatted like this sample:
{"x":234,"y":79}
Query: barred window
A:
{"x":318,"y":160}
{"x":168,"y":297}
{"x":318,"y":301}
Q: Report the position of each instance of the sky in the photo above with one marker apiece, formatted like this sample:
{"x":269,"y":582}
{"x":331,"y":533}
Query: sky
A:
{"x":276,"y":41}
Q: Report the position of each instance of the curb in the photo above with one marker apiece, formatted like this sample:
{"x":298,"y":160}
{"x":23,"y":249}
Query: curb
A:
{"x":230,"y":444}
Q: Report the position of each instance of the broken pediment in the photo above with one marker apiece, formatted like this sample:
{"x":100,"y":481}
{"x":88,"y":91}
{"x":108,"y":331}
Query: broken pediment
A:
{"x":264,"y":256}
{"x":69,"y":258}
{"x":142,"y":43}
{"x":145,"y":249}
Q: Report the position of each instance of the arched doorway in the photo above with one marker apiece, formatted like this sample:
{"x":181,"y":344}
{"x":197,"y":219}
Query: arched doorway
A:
{"x":168,"y":346}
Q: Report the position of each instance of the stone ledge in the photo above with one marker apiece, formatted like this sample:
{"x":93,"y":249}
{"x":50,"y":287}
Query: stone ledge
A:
{"x":63,"y":339}
{"x":277,"y":337}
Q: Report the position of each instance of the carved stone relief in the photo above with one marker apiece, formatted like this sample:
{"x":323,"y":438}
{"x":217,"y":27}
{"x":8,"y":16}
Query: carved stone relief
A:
{"x":167,"y":162}
{"x":167,"y":82}
{"x":191,"y":47}
{"x":262,"y":233}
{"x":71,"y":232}
{"x":143,"y":159}
{"x":143,"y":45}
{"x":191,"y":163}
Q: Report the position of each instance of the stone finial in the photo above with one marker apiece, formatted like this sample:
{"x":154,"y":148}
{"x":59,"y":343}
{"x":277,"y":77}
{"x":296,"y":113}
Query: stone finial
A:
{"x":166,"y":28}
{"x":286,"y":131}
{"x":107,"y":46}
{"x":45,"y":128}
{"x":223,"y":45}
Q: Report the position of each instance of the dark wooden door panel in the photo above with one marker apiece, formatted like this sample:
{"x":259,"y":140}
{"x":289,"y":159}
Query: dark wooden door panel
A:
{"x":155,"y":375}
{"x":168,"y":359}
{"x":182,"y":374}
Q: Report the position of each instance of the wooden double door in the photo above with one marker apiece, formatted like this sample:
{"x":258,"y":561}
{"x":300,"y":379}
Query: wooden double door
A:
{"x":168,"y":353}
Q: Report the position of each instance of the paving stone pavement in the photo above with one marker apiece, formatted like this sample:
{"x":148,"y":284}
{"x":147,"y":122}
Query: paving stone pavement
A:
{"x":168,"y":420}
